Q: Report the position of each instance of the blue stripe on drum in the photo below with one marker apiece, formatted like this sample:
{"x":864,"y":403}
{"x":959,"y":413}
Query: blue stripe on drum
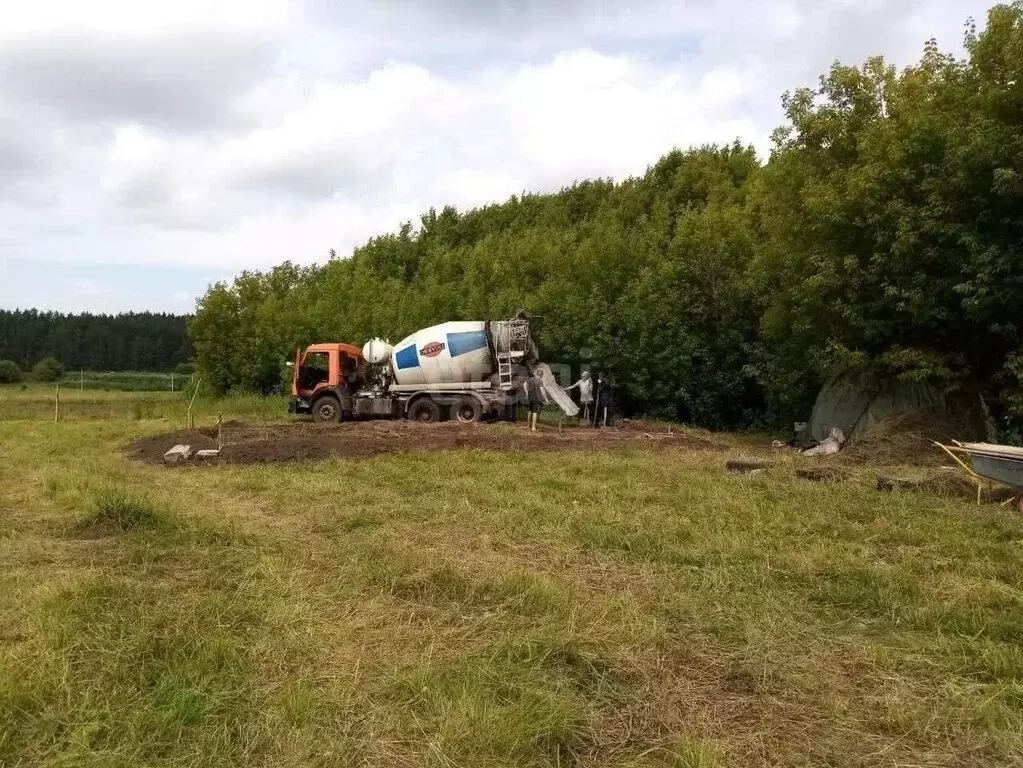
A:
{"x":465,"y":342}
{"x":407,"y":358}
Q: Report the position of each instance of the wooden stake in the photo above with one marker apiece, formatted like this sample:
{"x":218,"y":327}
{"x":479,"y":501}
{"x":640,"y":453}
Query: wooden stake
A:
{"x":980,"y":481}
{"x":81,"y":380}
{"x":56,"y":404}
{"x":189,"y":420}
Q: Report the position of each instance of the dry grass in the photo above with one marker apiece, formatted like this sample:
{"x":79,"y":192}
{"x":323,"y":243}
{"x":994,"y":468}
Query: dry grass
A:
{"x":906,"y":438}
{"x":617,"y":608}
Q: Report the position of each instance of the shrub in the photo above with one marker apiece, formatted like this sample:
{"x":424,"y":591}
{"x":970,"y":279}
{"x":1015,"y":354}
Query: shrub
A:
{"x":10,"y":373}
{"x":184,"y":369}
{"x":47,"y":369}
{"x":116,"y":509}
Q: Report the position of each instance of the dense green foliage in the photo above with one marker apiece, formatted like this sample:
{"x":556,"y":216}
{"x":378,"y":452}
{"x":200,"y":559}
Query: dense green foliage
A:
{"x":884,"y":230}
{"x":47,"y":369}
{"x":892,"y":216}
{"x":143,"y":341}
{"x":10,"y":373}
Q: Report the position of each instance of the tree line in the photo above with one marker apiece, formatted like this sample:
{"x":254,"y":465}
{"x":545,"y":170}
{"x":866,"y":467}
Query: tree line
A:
{"x":884,"y":231}
{"x":143,"y":341}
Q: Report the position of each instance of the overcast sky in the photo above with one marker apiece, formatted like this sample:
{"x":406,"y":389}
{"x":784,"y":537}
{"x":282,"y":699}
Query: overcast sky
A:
{"x":149,"y":147}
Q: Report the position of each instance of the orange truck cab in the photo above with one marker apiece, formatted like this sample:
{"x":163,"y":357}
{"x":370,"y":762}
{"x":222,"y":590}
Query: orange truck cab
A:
{"x":325,"y":377}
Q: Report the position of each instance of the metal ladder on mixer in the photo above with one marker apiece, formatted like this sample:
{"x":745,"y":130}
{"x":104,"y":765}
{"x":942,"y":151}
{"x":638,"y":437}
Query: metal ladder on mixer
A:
{"x":504,"y":371}
{"x":518,"y":337}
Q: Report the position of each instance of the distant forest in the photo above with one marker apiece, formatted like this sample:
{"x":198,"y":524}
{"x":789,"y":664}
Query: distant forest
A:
{"x":143,"y":341}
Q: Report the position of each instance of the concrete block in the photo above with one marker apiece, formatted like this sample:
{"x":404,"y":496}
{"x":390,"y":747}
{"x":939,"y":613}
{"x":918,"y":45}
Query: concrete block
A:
{"x":178,"y":453}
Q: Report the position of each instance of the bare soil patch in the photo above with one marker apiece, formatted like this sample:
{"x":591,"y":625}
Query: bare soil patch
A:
{"x":247,"y":444}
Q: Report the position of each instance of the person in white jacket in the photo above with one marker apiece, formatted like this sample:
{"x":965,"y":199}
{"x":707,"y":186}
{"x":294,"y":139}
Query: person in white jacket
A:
{"x":585,"y":387}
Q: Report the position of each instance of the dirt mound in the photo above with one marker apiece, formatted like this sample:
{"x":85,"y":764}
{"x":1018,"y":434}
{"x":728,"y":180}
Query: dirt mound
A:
{"x":152,"y":449}
{"x":304,"y":441}
{"x":905,"y":438}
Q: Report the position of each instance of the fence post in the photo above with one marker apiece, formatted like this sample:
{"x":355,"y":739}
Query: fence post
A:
{"x":189,"y":421}
{"x":172,"y":381}
{"x":81,"y":380}
{"x":56,"y":404}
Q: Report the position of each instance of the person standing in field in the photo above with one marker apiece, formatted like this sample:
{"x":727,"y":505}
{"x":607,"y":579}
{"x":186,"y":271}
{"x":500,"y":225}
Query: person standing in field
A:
{"x":535,"y":396}
{"x":585,"y":387}
{"x":605,"y":402}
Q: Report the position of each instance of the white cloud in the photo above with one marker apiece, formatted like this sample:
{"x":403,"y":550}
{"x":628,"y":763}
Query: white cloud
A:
{"x":354,"y":159}
{"x":240,"y":133}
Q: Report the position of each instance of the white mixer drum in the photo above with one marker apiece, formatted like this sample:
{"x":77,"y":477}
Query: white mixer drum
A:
{"x":450,"y":353}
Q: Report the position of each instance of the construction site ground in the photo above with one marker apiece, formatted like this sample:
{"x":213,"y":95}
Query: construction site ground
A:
{"x":242,"y":443}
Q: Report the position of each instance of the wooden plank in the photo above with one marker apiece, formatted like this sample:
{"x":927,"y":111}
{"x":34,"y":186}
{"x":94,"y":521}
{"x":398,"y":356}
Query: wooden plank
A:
{"x":990,"y":449}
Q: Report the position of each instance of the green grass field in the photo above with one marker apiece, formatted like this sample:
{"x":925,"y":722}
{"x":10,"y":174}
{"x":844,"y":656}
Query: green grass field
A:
{"x":114,"y":381}
{"x":617,"y":608}
{"x":37,"y":403}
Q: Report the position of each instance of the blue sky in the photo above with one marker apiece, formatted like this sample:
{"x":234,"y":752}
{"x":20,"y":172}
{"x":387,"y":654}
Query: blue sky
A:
{"x":147,"y":149}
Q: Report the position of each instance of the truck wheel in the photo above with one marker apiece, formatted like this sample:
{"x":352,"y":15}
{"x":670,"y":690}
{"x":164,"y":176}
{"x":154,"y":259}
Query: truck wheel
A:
{"x":467,"y":410}
{"x":424,"y":410}
{"x":326,"y":409}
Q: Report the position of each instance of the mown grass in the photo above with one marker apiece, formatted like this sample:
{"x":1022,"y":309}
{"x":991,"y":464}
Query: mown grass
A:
{"x":113,"y":381}
{"x":37,"y":403}
{"x":125,"y":381}
{"x":620,"y":608}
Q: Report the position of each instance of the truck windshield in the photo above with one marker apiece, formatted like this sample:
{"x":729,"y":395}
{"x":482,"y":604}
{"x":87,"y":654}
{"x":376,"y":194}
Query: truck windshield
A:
{"x":315,"y":369}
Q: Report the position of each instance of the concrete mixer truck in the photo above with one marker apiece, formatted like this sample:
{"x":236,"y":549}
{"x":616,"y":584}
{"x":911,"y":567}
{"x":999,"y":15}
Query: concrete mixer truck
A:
{"x":463,"y":370}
